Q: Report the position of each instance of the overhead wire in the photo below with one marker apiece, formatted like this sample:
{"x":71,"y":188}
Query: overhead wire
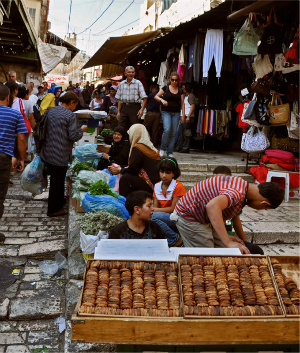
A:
{"x":69,"y":15}
{"x":115,"y":19}
{"x":98,"y":17}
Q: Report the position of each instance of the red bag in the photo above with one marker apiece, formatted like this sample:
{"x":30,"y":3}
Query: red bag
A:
{"x":284,"y":156}
{"x":27,"y":123}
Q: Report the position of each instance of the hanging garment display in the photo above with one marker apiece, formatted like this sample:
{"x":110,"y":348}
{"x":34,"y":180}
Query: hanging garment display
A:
{"x":240,"y":109}
{"x":191,"y":55}
{"x":213,"y":48}
{"x":162,"y":81}
{"x":262,"y":65}
{"x":245,"y":40}
{"x":212,"y":122}
{"x":199,"y":49}
{"x":182,"y":59}
{"x":272,"y":38}
{"x":292,"y":55}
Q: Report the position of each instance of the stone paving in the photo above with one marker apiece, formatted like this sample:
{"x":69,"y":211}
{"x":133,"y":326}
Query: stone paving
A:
{"x":31,"y":305}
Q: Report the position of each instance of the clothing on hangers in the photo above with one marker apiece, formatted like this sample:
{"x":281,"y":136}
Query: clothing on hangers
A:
{"x":213,"y":49}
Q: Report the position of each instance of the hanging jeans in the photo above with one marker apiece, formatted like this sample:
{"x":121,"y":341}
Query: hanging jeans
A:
{"x":213,"y":49}
{"x":170,"y":124}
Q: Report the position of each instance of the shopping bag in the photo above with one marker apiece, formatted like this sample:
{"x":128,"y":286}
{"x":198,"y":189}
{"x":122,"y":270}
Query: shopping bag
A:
{"x":279,"y":114}
{"x":245,"y":40}
{"x":294,"y":125}
{"x":36,"y":169}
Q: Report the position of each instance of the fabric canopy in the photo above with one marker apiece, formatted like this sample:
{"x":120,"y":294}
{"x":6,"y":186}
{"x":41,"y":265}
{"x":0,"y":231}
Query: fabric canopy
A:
{"x":116,"y":49}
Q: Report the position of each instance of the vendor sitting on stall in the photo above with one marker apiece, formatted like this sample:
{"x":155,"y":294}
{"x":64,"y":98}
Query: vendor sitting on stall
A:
{"x":212,"y":201}
{"x":119,"y":151}
{"x":139,"y":204}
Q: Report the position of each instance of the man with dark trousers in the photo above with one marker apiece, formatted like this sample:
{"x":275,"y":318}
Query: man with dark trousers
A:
{"x":12,"y":125}
{"x":130,"y":93}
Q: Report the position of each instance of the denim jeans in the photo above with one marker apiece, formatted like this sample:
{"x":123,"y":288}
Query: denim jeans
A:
{"x":168,"y":226}
{"x":5,"y":168}
{"x":170,"y":124}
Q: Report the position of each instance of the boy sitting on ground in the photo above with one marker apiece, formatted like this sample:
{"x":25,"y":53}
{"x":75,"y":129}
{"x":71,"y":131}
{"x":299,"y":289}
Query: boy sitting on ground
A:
{"x":139,"y":204}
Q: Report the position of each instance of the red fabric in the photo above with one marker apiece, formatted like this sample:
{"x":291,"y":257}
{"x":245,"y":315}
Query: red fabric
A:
{"x":286,"y":166}
{"x":284,"y":156}
{"x":260,"y":174}
{"x":239,"y":109}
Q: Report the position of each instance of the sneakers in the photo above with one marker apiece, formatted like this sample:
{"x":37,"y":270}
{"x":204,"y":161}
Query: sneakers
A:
{"x":170,"y":155}
{"x":162,"y":153}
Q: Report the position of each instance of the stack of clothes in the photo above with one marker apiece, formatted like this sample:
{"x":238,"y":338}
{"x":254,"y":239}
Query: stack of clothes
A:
{"x":280,"y":161}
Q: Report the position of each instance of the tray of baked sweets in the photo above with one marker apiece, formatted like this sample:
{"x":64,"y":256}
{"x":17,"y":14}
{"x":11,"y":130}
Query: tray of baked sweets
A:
{"x":130,"y":288}
{"x":286,"y":273}
{"x":223,"y":286}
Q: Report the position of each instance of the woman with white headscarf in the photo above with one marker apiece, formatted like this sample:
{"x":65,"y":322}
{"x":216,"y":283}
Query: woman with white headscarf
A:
{"x":142,"y":171}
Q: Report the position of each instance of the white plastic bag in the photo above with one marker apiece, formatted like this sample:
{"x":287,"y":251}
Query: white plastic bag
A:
{"x":35,"y":187}
{"x":88,"y":243}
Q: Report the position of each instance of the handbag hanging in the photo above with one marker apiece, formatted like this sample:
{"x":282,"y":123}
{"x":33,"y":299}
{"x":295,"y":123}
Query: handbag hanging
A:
{"x":294,"y":125}
{"x":249,"y":115}
{"x":272,"y":38}
{"x":261,"y":110}
{"x":245,"y":40}
{"x":279,"y":114}
{"x":254,"y":141}
{"x":260,"y":86}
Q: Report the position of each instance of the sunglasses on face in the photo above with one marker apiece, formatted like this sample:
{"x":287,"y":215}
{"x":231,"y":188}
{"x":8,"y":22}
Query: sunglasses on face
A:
{"x":174,"y":79}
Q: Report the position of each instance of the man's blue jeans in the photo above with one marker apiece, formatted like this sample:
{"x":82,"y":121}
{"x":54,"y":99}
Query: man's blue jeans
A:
{"x":170,"y":124}
{"x":168,"y":226}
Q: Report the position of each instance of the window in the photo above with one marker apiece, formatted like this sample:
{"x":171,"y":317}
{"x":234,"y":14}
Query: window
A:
{"x":167,"y":3}
{"x":32,"y":13}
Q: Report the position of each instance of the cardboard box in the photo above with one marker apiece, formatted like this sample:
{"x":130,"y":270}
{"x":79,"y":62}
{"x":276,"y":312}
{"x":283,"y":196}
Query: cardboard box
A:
{"x":78,"y":208}
{"x":103,"y":148}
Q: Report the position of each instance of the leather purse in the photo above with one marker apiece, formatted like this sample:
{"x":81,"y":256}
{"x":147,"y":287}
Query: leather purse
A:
{"x":279,"y":114}
{"x":260,"y":86}
{"x":245,"y":40}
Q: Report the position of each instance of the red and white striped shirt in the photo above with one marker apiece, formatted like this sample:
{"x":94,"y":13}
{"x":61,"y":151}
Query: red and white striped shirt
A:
{"x":192,"y":205}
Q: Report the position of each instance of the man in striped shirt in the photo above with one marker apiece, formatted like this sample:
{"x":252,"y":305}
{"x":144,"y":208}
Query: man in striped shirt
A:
{"x":130,"y":93}
{"x":212,"y":201}
{"x":11,"y":125}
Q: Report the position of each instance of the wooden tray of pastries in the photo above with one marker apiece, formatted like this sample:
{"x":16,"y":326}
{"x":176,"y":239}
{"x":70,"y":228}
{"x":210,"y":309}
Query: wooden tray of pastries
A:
{"x":287,"y":277}
{"x":130,"y":288}
{"x":223,"y":286}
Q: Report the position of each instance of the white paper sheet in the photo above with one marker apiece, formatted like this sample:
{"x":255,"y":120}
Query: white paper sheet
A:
{"x":133,"y":249}
{"x":205,"y":251}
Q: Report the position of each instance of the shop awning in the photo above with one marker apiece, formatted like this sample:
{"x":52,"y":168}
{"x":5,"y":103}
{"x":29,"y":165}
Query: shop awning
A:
{"x":110,"y":70}
{"x":116,"y":49}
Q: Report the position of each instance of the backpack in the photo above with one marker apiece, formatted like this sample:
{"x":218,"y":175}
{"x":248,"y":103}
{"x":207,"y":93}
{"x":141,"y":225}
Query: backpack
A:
{"x":40,"y":132}
{"x":37,"y":110}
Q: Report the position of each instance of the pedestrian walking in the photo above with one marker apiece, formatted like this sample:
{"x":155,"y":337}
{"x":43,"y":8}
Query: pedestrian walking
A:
{"x":12,"y":126}
{"x":172,"y":99}
{"x":56,"y":150}
{"x":130,"y":93}
{"x":152,"y":117}
{"x":184,"y":129}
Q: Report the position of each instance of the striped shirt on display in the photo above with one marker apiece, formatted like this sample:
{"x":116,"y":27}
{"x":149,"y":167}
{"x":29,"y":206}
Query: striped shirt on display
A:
{"x":11,"y":124}
{"x":192,"y":205}
{"x":132,"y":92}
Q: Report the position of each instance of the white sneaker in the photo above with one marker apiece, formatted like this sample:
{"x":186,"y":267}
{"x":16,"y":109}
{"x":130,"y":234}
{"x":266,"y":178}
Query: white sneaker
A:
{"x":170,"y":155}
{"x":162,"y":153}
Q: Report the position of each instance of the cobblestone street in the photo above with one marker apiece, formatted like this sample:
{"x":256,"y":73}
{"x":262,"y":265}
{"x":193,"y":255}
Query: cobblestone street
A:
{"x":30,"y":306}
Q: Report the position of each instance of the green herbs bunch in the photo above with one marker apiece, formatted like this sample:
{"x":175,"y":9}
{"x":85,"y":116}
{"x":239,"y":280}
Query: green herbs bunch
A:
{"x":92,"y":223}
{"x":107,"y":133}
{"x":76,"y":168}
{"x":101,"y":188}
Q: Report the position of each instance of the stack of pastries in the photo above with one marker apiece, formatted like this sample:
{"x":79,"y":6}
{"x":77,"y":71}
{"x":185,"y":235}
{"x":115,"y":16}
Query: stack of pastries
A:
{"x":288,"y":289}
{"x":227,"y":286}
{"x":131,"y":289}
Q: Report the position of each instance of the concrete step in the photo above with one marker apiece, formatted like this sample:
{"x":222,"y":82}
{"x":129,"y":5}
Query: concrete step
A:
{"x":189,"y":179}
{"x":198,"y":166}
